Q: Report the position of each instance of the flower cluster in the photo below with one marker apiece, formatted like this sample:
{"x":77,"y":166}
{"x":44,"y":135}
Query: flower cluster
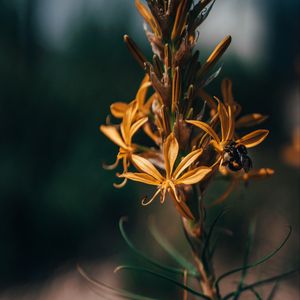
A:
{"x":192,"y":135}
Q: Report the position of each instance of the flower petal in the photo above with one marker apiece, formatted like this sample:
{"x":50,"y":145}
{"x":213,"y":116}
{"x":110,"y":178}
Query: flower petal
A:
{"x":141,"y":94}
{"x":206,"y":128}
{"x":186,"y":162}
{"x":231,"y":125}
{"x":226,"y":88}
{"x":127,"y":121}
{"x":146,"y":166}
{"x":137,"y":125}
{"x":118,"y":109}
{"x":254,"y":138}
{"x":140,"y":177}
{"x":224,"y":119}
{"x":193,"y":176}
{"x":250,"y":120}
{"x":170,"y":150}
{"x":112,"y":133}
{"x":146,"y":14}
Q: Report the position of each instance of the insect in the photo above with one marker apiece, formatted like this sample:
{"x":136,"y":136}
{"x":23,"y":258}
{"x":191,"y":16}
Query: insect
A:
{"x":236,"y":157}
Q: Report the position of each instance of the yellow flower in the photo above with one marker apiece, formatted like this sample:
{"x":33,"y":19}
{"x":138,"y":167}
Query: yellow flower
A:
{"x":128,"y":127}
{"x":173,"y":177}
{"x":227,"y":124}
{"x":118,"y":109}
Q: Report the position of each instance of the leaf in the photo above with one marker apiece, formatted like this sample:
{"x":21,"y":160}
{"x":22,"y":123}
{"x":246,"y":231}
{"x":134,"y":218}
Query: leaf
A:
{"x":249,"y":245}
{"x":273,"y":291}
{"x":161,"y":240}
{"x":142,"y":255}
{"x":210,"y":232}
{"x":263,"y":282}
{"x":109,"y":289}
{"x":159,"y":275}
{"x":260,"y":261}
{"x":257,"y":295}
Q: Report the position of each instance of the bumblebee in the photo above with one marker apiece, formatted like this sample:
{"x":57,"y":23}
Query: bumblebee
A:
{"x":236,"y":157}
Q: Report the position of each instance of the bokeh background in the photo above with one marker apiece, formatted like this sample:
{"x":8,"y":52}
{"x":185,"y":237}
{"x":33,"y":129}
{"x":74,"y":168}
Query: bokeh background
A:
{"x":62,"y":62}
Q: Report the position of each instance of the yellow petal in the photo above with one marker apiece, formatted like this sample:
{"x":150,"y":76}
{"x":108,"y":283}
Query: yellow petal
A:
{"x":186,"y":162}
{"x":206,"y":128}
{"x":136,"y":126}
{"x":148,"y":130}
{"x":254,"y":138}
{"x":141,"y":94}
{"x":146,"y":14}
{"x":127,"y":121}
{"x":224,"y":120}
{"x":179,"y":19}
{"x":231,"y":125}
{"x":193,"y":176}
{"x":146,"y":166}
{"x":226,"y":87}
{"x":140,"y":177}
{"x":118,"y":109}
{"x":112,"y":133}
{"x":149,"y":102}
{"x":218,"y":147}
{"x":170,"y":150}
{"x":250,"y":120}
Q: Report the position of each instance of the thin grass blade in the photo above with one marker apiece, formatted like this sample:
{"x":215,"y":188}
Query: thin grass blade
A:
{"x":162,"y":276}
{"x":162,"y":241}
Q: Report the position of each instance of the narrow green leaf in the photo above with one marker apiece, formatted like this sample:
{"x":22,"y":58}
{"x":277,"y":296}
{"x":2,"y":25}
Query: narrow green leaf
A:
{"x":162,"y":241}
{"x":249,"y":245}
{"x":257,"y":295}
{"x":112,"y":290}
{"x":262,"y":260}
{"x":162,"y":276}
{"x":273,"y":291}
{"x":209,"y":235}
{"x":142,"y":255}
{"x":263,"y":282}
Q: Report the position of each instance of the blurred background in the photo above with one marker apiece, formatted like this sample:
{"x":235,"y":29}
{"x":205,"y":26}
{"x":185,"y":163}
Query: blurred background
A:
{"x":62,"y":62}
